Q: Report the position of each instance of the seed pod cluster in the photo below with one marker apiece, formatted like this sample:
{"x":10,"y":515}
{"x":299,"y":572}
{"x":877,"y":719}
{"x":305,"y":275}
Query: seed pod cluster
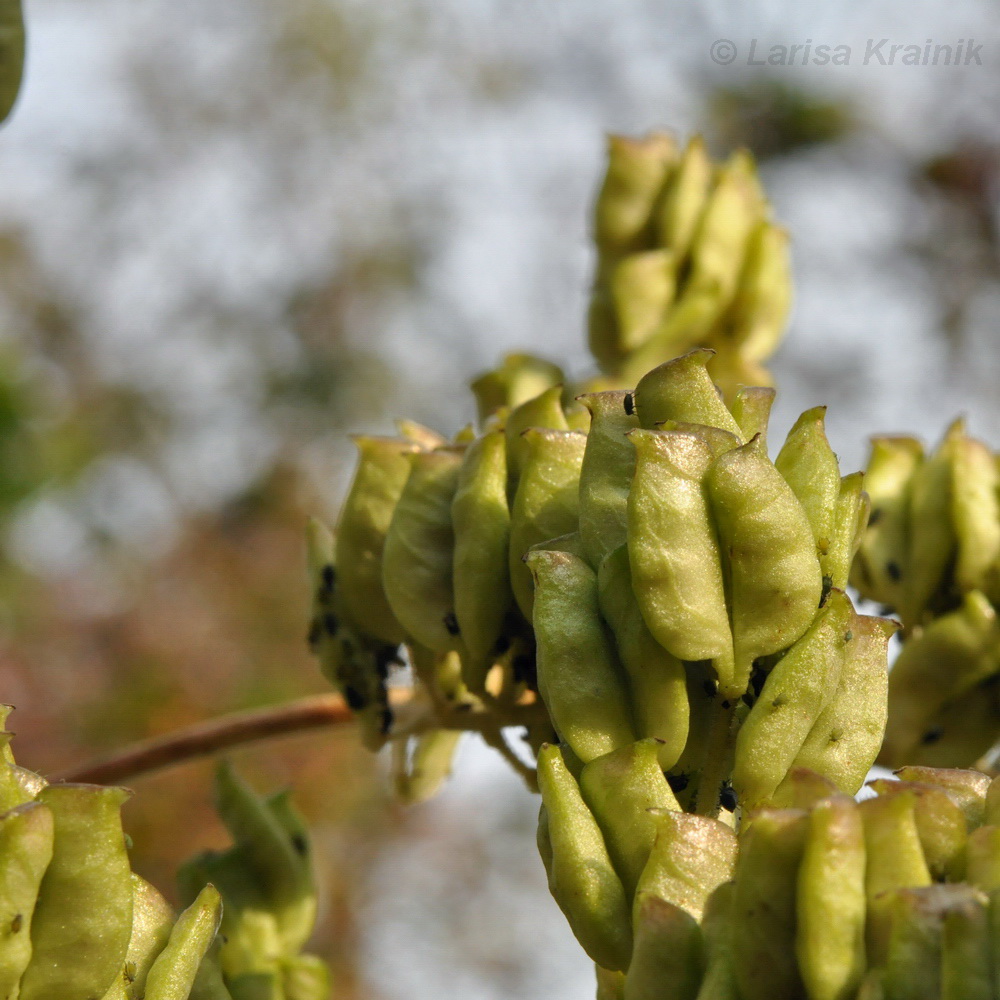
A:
{"x":687,"y":256}
{"x":818,"y":897}
{"x":266,"y":883}
{"x":655,"y":577}
{"x":931,"y":554}
{"x":75,"y":922}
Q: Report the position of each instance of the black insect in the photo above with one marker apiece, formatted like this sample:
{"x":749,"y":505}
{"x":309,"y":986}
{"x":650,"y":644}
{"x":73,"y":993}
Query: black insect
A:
{"x":727,"y":797}
{"x":354,"y":700}
{"x":451,"y":623}
{"x":629,"y":404}
{"x":678,"y":782}
{"x":895,"y":573}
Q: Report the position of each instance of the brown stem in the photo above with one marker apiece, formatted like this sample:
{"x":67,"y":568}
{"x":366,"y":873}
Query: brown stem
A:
{"x":204,"y":738}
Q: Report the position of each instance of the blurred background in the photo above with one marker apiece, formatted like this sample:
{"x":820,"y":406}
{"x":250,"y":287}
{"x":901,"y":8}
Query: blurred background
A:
{"x":232,"y":231}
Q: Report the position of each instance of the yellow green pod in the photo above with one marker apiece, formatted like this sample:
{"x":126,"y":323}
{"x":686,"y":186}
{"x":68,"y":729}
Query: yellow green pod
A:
{"x":545,"y":411}
{"x":831,"y":906}
{"x":424,"y":437}
{"x":682,"y":390}
{"x":606,"y":474}
{"x":152,"y":921}
{"x":975,"y":510}
{"x":11,"y":54}
{"x":883,"y":560}
{"x":173,"y":973}
{"x":672,"y":547}
{"x":547,"y":501}
{"x":721,"y":240}
{"x":481,"y":582}
{"x":417,"y":558}
{"x":941,"y":826}
{"x":13,"y":792}
{"x":931,"y":530}
{"x":26,"y":838}
{"x":684,"y":198}
{"x":579,"y":678}
{"x":751,"y":409}
{"x":306,"y":977}
{"x":583,"y":880}
{"x":719,"y":981}
{"x":895,"y":859}
{"x":919,"y":686}
{"x":966,"y":953}
{"x":430,"y":765}
{"x":88,"y":876}
{"x":519,"y":378}
{"x":802,"y":789}
{"x":809,"y":466}
{"x":845,"y":739}
{"x":763,"y":300}
{"x":691,"y":857}
{"x":982,"y":858}
{"x":657,"y":679}
{"x":850,"y":517}
{"x":364,"y":523}
{"x":637,"y":171}
{"x":796,"y":692}
{"x":667,"y":959}
{"x":642,"y":286}
{"x":620,"y":789}
{"x":775,"y":580}
{"x":764,"y":905}
{"x":610,"y":985}
{"x":966,"y":788}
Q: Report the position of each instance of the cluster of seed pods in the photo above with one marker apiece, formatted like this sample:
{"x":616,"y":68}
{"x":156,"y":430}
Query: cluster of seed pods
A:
{"x":931,"y":555}
{"x":687,"y":256}
{"x":76,"y":923}
{"x":817,"y":897}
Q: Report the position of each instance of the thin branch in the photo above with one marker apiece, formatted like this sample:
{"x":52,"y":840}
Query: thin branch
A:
{"x":205,"y":738}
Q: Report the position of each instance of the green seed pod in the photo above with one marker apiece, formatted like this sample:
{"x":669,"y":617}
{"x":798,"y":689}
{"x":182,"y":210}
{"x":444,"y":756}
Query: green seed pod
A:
{"x":583,"y":879}
{"x":802,"y":789}
{"x":966,"y":965}
{"x":152,"y":921}
{"x":208,"y":982}
{"x":774,"y":576}
{"x":306,"y":978}
{"x":620,"y":789}
{"x":895,"y":861}
{"x":83,"y":918}
{"x":682,"y":390}
{"x":673,"y":551}
{"x":417,"y":557}
{"x":430,"y":765}
{"x":883,"y":561}
{"x":764,"y":905}
{"x":579,"y":678}
{"x":610,"y":985}
{"x":642,"y":287}
{"x":606,"y":475}
{"x":684,"y":198}
{"x":361,"y":534}
{"x":850,"y":516}
{"x":919,"y":688}
{"x":982,"y":858}
{"x":845,"y":739}
{"x":637,"y":170}
{"x":544,"y":411}
{"x":173,"y":973}
{"x":481,"y":582}
{"x":830,"y":908}
{"x":691,"y":857}
{"x":667,"y":959}
{"x":26,"y":838}
{"x":941,"y":826}
{"x":967,"y":789}
{"x":975,"y":510}
{"x":657,"y":679}
{"x":13,"y":792}
{"x":751,"y":409}
{"x":763,"y":300}
{"x":425,"y":438}
{"x":719,"y":982}
{"x":11,"y":54}
{"x":809,"y":466}
{"x":546,"y":504}
{"x":519,"y":378}
{"x":931,"y":530}
{"x":794,"y":696}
